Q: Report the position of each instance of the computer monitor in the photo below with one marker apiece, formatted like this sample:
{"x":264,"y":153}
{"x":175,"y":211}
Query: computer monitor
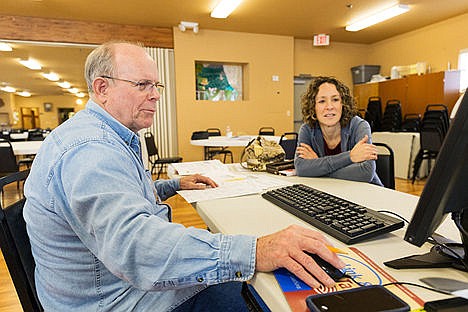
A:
{"x":446,"y":190}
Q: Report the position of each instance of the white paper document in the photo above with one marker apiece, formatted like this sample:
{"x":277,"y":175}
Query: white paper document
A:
{"x":233,"y":184}
{"x":201,"y":167}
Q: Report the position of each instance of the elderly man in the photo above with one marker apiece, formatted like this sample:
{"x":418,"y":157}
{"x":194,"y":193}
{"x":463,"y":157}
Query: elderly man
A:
{"x":101,"y":237}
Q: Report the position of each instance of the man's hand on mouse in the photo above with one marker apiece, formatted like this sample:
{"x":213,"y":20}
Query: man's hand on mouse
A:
{"x":286,"y":249}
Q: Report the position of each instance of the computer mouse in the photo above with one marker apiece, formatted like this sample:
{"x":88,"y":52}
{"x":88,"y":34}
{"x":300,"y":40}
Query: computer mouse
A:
{"x":334,"y":273}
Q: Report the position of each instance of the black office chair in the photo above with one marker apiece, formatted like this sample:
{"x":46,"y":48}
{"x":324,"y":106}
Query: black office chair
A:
{"x":385,"y":166}
{"x":288,"y":142}
{"x":153,"y":155}
{"x":266,"y":131}
{"x":16,"y":247}
{"x":212,"y":152}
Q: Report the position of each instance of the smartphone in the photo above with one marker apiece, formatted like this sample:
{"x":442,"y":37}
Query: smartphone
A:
{"x":363,"y":299}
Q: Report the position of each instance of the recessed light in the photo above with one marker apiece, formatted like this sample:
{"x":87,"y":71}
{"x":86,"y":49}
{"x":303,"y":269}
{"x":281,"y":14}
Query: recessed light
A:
{"x":64,"y":84}
{"x":8,"y":89}
{"x":5,"y":47}
{"x":51,"y":76}
{"x":31,"y":64}
{"x":24,"y":93}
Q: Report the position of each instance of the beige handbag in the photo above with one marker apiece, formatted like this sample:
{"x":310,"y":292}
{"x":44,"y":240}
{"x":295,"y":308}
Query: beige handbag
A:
{"x":260,"y":152}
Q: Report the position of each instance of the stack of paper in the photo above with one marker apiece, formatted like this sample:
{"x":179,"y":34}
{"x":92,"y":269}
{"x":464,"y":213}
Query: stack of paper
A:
{"x":232,"y":180}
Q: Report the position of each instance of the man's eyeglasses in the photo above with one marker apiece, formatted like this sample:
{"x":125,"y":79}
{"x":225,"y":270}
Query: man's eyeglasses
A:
{"x":142,"y":85}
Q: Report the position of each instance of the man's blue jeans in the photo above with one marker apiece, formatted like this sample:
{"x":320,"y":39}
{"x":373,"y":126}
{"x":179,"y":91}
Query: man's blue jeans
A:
{"x":224,"y":297}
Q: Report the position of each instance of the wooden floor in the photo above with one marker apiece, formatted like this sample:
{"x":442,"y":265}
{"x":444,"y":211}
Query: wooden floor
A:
{"x":183,"y":213}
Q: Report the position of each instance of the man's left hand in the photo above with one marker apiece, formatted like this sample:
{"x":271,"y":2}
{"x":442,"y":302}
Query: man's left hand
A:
{"x":196,"y":182}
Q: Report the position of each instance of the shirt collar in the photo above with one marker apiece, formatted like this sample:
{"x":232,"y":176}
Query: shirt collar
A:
{"x":128,"y":136}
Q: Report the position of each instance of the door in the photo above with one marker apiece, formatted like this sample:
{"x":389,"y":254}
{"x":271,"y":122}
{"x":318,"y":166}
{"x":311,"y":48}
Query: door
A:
{"x":300,"y":87}
{"x":30,"y":117}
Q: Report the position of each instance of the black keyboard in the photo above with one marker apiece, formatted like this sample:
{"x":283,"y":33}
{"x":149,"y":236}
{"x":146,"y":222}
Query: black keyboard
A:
{"x":344,"y":220}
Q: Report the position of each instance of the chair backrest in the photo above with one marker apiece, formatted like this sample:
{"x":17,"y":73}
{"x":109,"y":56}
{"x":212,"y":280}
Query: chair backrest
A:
{"x":385,"y":165}
{"x":213,"y":132}
{"x":373,"y":114}
{"x":392,"y":118}
{"x":151,"y":145}
{"x":8,"y":163}
{"x":288,"y":142}
{"x":266,"y":131}
{"x":200,"y":135}
{"x":411,"y":123}
{"x":16,"y":247}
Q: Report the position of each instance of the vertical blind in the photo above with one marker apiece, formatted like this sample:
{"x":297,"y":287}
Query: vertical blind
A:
{"x":164,"y":126}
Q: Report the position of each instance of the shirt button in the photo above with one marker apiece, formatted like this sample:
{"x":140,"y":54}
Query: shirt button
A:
{"x":200,"y":279}
{"x":238,"y":274}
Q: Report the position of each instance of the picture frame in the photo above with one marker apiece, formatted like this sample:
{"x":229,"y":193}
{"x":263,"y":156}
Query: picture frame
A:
{"x":48,"y":107}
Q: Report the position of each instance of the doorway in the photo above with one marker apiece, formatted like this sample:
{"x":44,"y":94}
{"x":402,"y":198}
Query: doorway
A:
{"x":30,"y":117}
{"x":65,"y":114}
{"x":301,"y":83}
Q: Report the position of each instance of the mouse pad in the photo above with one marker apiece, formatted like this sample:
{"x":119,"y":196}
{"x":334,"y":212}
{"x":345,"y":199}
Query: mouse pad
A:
{"x":359,"y":266}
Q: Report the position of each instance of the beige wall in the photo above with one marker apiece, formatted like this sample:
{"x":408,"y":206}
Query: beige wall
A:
{"x":269,"y":103}
{"x":333,"y":60}
{"x":436,"y":45}
{"x":48,"y":119}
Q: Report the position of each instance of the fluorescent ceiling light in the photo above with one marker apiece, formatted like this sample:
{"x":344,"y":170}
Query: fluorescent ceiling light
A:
{"x":5,"y":47}
{"x":80,"y":94}
{"x":31,"y":64}
{"x":73,"y":90}
{"x":79,"y":101}
{"x":8,"y":89}
{"x":224,"y":8}
{"x":51,"y":76}
{"x":24,"y":93}
{"x":378,"y":17}
{"x":64,"y":84}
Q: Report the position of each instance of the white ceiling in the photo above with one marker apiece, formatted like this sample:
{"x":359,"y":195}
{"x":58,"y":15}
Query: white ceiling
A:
{"x":297,"y":18}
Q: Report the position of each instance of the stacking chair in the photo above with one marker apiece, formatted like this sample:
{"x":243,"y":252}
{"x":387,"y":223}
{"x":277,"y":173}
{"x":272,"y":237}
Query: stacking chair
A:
{"x":35,"y":135}
{"x":373,"y":114}
{"x":288,"y":142}
{"x":266,"y":131}
{"x":16,"y":247}
{"x":411,"y":123}
{"x":154,"y":159}
{"x":212,"y":152}
{"x":9,"y":164}
{"x":385,"y":165}
{"x":434,"y":127}
{"x":392,"y":119}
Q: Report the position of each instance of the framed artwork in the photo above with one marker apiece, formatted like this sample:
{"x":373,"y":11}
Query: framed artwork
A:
{"x":216,"y":81}
{"x":47,"y":107}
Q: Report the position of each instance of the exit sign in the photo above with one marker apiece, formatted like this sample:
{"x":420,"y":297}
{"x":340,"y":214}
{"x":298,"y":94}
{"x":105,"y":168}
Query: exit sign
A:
{"x":321,"y":40}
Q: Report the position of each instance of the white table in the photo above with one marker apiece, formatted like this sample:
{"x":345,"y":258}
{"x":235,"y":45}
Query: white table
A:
{"x":224,"y":141}
{"x":26,"y":147}
{"x":405,"y":146}
{"x":241,"y":215}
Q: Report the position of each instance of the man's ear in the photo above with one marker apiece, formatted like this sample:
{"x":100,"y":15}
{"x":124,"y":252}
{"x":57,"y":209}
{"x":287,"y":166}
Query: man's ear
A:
{"x":100,"y":89}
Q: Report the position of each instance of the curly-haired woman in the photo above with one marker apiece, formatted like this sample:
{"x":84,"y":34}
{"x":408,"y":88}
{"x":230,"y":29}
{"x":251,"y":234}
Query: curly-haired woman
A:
{"x":334,"y":141}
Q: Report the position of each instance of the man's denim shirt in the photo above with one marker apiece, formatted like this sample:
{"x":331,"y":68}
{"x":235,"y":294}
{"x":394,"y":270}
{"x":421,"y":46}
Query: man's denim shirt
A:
{"x":100,"y":236}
